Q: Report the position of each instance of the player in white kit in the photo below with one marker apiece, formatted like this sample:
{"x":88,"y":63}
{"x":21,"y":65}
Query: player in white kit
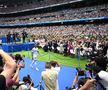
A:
{"x":34,"y":57}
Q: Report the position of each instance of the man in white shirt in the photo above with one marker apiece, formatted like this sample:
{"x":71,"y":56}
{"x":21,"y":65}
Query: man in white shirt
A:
{"x":101,"y":78}
{"x":49,"y":77}
{"x":34,"y":57}
{"x":55,"y":66}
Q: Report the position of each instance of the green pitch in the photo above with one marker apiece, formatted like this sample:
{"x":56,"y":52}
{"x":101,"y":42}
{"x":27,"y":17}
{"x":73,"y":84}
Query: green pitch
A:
{"x":48,"y":56}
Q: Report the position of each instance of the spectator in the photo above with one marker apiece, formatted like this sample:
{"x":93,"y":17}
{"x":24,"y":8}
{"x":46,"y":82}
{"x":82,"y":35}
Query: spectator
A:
{"x":81,"y":83}
{"x":31,"y":86}
{"x":19,"y":60}
{"x":23,"y":83}
{"x":49,"y":77}
{"x":101,"y":78}
{"x":10,"y":66}
{"x":56,"y":66}
{"x":45,"y":47}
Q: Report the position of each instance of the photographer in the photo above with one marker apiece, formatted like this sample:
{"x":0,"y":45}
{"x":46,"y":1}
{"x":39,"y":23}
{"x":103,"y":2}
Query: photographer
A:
{"x":101,"y":77}
{"x":98,"y":66}
{"x":31,"y":87}
{"x":82,"y":83}
{"x":22,"y":85}
{"x":79,"y":73}
{"x":19,"y":60}
{"x":99,"y":61}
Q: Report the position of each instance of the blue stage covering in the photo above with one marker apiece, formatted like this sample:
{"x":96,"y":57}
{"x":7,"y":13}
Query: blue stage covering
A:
{"x":4,"y":39}
{"x":17,"y":47}
{"x":65,"y":77}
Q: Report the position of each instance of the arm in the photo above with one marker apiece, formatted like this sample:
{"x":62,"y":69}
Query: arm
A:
{"x":16,"y":77}
{"x":22,"y":64}
{"x":75,"y":80}
{"x":58,"y":64}
{"x":10,"y":65}
{"x":87,"y":85}
{"x":29,"y":88}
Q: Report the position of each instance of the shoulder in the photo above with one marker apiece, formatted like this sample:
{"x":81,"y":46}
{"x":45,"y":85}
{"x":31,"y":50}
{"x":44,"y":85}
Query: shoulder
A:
{"x":103,"y":74}
{"x":56,"y":69}
{"x":23,"y":86}
{"x":43,"y":72}
{"x":54,"y":72}
{"x":32,"y":88}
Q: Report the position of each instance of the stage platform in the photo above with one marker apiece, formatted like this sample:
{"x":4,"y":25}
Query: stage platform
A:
{"x":65,"y":77}
{"x":17,"y":47}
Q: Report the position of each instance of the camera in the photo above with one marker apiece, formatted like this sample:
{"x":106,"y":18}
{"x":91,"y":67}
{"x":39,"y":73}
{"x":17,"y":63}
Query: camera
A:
{"x":68,"y":88}
{"x":29,"y":78}
{"x":18,"y":57}
{"x":99,"y":60}
{"x":89,"y":66}
{"x":80,"y":72}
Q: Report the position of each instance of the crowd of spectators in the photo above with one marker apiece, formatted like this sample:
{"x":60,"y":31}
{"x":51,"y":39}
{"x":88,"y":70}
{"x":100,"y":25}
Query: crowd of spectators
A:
{"x":62,"y":32}
{"x":90,"y":39}
{"x":21,"y":5}
{"x":66,"y":39}
{"x":63,"y":36}
{"x":67,"y":14}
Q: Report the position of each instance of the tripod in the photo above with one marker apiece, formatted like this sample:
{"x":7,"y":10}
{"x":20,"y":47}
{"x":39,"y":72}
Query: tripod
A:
{"x":40,"y":85}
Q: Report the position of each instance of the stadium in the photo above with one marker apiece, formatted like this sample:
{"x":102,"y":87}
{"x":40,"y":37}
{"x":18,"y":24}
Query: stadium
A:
{"x":52,"y":44}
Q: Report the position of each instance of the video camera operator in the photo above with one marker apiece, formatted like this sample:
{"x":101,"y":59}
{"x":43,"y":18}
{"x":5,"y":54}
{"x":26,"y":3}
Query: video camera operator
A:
{"x":99,"y":61}
{"x":101,"y":77}
{"x":98,"y":66}
{"x":81,"y":82}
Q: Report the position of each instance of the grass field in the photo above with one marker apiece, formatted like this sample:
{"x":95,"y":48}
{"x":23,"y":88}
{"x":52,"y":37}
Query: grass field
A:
{"x":48,"y":56}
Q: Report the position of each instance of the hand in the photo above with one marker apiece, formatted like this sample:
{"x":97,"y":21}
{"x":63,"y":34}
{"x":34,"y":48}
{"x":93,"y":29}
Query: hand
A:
{"x":88,"y":84}
{"x":1,"y":51}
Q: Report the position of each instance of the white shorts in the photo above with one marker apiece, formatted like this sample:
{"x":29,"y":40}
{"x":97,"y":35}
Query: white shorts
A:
{"x":34,"y":57}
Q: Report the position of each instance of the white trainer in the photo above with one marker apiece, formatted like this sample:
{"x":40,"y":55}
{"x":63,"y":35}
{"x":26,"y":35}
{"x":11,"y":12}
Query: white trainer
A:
{"x":37,"y":69}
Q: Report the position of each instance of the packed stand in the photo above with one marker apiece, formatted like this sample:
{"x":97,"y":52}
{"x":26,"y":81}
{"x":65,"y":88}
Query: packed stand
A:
{"x":20,"y":6}
{"x":69,"y":36}
{"x":69,"y":14}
